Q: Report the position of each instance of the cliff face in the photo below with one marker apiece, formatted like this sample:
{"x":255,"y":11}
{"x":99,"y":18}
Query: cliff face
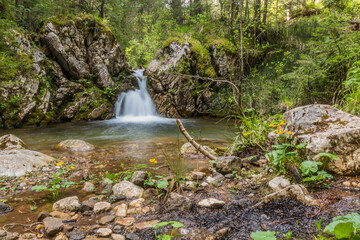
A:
{"x":173,"y":91}
{"x":74,"y":75}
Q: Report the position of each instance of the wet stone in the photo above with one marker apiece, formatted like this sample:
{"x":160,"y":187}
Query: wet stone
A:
{"x":69,"y":204}
{"x":76,"y":235}
{"x":42,"y":216}
{"x":117,"y":229}
{"x":28,"y":236}
{"x":121,"y":210}
{"x":116,"y":198}
{"x":104,"y":232}
{"x":52,"y":225}
{"x":178,"y":202}
{"x":211,"y":203}
{"x":4,"y":208}
{"x":138,"y":178}
{"x":106,"y":219}
{"x":88,"y":187}
{"x":117,"y":236}
{"x":132,"y":236}
{"x":87,"y":205}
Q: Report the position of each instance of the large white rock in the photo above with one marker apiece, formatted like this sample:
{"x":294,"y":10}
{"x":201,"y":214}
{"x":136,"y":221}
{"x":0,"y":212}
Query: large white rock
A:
{"x":326,"y":129}
{"x":212,"y":203}
{"x":128,"y":189}
{"x":11,"y":142}
{"x":18,"y":162}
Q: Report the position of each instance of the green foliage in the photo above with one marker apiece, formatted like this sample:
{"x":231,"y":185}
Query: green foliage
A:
{"x":345,"y":227}
{"x":162,"y":225}
{"x":311,"y":171}
{"x":351,"y":102}
{"x":259,"y":235}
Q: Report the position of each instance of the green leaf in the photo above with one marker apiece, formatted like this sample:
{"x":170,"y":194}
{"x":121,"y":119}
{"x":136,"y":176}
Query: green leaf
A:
{"x":329,"y":155}
{"x":67,"y":184}
{"x":176,"y":224}
{"x":141,"y":166}
{"x":353,"y":218}
{"x":301,"y":145}
{"x":165,"y":237}
{"x":308,"y":168}
{"x":108,"y":181}
{"x":39,"y":188}
{"x":161,"y":224}
{"x":162,"y":184}
{"x":344,"y":230}
{"x":56,"y":181}
{"x":259,"y":235}
{"x":58,"y":174}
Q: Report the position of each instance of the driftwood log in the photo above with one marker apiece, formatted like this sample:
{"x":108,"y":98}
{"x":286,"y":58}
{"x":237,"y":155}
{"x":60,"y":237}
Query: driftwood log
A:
{"x":192,"y":141}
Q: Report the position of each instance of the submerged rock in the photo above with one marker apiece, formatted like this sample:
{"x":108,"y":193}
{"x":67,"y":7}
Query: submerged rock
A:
{"x":128,"y":189}
{"x":74,"y":145}
{"x":18,"y":162}
{"x":4,"y":208}
{"x":326,"y":129}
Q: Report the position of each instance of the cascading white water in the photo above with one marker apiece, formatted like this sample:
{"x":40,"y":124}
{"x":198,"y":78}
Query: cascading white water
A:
{"x":136,"y":103}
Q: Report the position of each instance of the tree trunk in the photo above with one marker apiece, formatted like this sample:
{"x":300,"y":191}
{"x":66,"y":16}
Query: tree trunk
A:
{"x":241,"y":76}
{"x":265,"y":11}
{"x":102,"y":10}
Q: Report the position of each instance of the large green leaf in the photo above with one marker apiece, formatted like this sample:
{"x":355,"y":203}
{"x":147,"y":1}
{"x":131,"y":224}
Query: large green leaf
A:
{"x":353,"y":218}
{"x":344,"y":230}
{"x":162,"y":184}
{"x":308,"y":168}
{"x":39,"y":188}
{"x":259,"y":235}
{"x":329,"y":155}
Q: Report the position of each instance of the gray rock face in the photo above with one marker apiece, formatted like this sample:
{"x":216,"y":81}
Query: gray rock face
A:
{"x":74,"y":145}
{"x":69,"y":204}
{"x":11,"y":142}
{"x":18,"y":162}
{"x":4,"y":208}
{"x":211,"y":203}
{"x":178,"y":202}
{"x":52,"y":225}
{"x":326,"y":129}
{"x":128,"y":189}
{"x":228,"y":164}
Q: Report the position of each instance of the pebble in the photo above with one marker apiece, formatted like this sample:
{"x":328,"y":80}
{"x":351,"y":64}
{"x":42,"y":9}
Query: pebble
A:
{"x":104,"y":232}
{"x":12,"y":236}
{"x":116,"y":198}
{"x":77,"y":235}
{"x":4,"y":208}
{"x":69,"y":204}
{"x":147,"y":224}
{"x":195,"y":176}
{"x":106,"y":219}
{"x":42,"y":216}
{"x":136,"y":203}
{"x":121,"y":210}
{"x":117,"y":236}
{"x":347,"y":183}
{"x":87,"y":205}
{"x":52,"y":225}
{"x":132,"y":236}
{"x":125,"y":221}
{"x":101,"y":207}
{"x":2,"y":233}
{"x":88,"y":187}
{"x":211,"y":203}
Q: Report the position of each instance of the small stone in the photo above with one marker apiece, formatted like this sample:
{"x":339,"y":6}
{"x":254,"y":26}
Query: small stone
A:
{"x":215,"y":180}
{"x":117,"y":229}
{"x":4,"y":208}
{"x":138,"y":178}
{"x":61,"y":215}
{"x":136,"y":203}
{"x":132,"y":236}
{"x":2,"y":233}
{"x":229,"y":176}
{"x":104,"y":232}
{"x":116,"y":198}
{"x":28,"y":236}
{"x":87,"y":205}
{"x":106,"y":219}
{"x":354,"y":184}
{"x":74,"y":145}
{"x":61,"y":237}
{"x":101,"y":207}
{"x":125,"y":221}
{"x":347,"y":183}
{"x":128,"y":189}
{"x":146,"y":209}
{"x":121,"y":210}
{"x":117,"y":236}
{"x":52,"y":225}
{"x":88,"y":187}
{"x":279,"y":183}
{"x":69,"y":204}
{"x":211,"y":203}
{"x":77,"y":235}
{"x":178,"y":202}
{"x":196,"y":176}
{"x":147,"y":224}
{"x":204,"y":184}
{"x":12,"y":236}
{"x":42,"y":216}
{"x":150,"y":193}
{"x":227,"y":164}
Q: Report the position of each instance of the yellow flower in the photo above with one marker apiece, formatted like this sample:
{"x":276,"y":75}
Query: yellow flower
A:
{"x":247,"y":133}
{"x":153,"y":160}
{"x":282,"y":123}
{"x":271,"y":125}
{"x":289,"y":132}
{"x":59,"y":163}
{"x":72,"y":167}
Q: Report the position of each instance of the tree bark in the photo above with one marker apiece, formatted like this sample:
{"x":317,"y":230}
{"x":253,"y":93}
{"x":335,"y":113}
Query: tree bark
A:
{"x":102,"y":10}
{"x":192,"y":141}
{"x":265,"y":11}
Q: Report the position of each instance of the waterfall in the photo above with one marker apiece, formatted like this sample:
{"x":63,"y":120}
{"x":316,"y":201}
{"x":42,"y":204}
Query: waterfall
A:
{"x":135,"y":103}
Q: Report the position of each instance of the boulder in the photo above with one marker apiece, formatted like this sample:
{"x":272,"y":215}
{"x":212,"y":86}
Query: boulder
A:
{"x":66,"y":205}
{"x":326,"y":129}
{"x":52,"y":225}
{"x":128,"y":189}
{"x":74,"y":145}
{"x":227,"y":164}
{"x":211,"y":203}
{"x":189,"y":151}
{"x":11,"y":142}
{"x":178,"y":202}
{"x":19,"y":161}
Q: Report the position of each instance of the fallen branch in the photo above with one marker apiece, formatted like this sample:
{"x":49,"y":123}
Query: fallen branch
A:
{"x":192,"y":141}
{"x":10,"y":225}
